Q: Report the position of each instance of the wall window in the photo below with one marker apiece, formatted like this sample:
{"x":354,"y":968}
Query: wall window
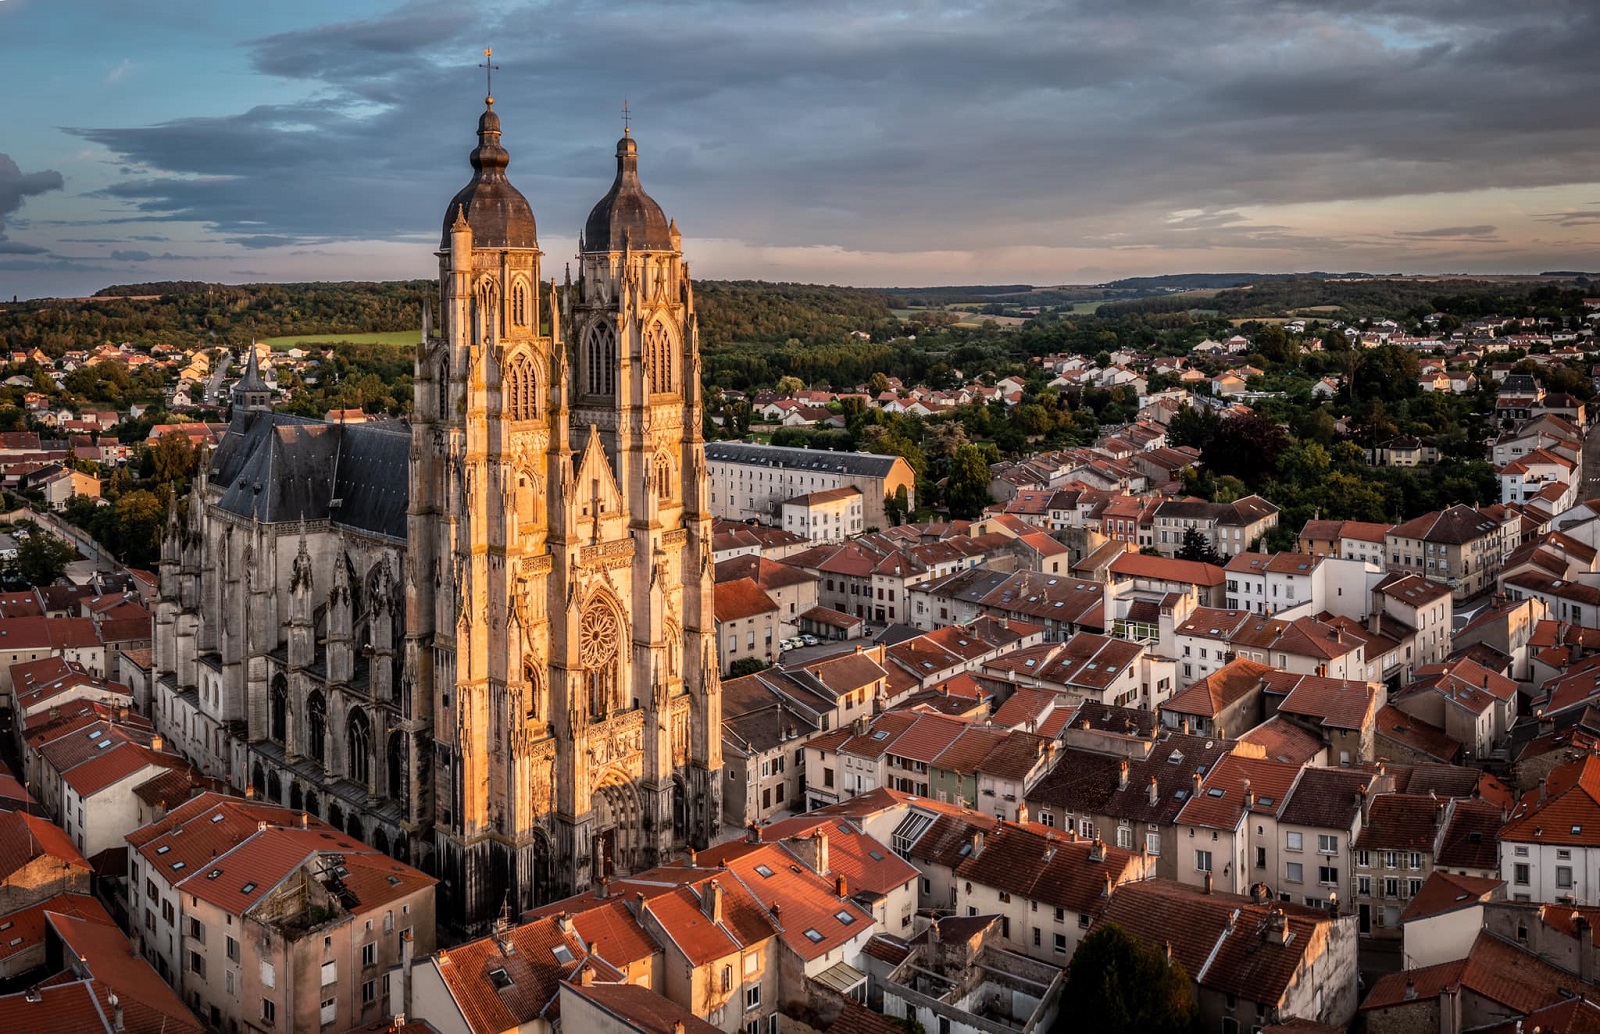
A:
{"x":1202,"y":861}
{"x":1294,"y":872}
{"x":1294,"y":841}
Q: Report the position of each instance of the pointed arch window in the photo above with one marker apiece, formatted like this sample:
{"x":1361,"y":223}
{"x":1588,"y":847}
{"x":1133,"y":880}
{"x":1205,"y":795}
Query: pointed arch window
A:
{"x":317,"y":727}
{"x":519,"y":304}
{"x":358,"y":747}
{"x":659,"y":357}
{"x":600,"y":359}
{"x":278,"y":708}
{"x":600,"y":653}
{"x":663,"y":477}
{"x":521,"y":390}
{"x":444,"y":391}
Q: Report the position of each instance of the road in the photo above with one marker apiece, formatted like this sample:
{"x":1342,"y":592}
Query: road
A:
{"x":214,"y":385}
{"x":79,"y":538}
{"x":1591,"y":463}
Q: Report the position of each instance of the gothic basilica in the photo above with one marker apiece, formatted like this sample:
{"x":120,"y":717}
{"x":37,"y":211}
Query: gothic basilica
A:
{"x":484,"y":643}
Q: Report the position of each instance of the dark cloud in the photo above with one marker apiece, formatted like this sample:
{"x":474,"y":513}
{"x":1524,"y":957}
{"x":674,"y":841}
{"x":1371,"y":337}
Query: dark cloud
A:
{"x":19,"y":248}
{"x":904,"y":126}
{"x":135,"y":255}
{"x":1445,"y":232}
{"x":264,"y":241}
{"x":16,"y":185}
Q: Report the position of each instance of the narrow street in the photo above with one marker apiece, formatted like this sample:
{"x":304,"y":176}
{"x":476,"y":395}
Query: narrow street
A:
{"x":1591,"y":463}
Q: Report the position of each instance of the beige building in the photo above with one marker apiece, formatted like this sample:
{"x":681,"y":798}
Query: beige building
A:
{"x":754,"y":481}
{"x":747,"y":623}
{"x":832,"y":515}
{"x":264,"y":920}
{"x":484,"y":643}
{"x":1460,"y":547}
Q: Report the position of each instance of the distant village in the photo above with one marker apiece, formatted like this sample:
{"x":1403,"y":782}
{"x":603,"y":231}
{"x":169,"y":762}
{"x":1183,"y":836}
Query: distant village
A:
{"x":1352,"y":785}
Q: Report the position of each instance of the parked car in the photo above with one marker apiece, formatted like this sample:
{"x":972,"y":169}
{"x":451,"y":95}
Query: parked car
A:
{"x":809,"y":640}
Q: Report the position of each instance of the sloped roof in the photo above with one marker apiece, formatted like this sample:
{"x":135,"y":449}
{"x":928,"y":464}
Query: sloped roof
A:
{"x":1444,"y":892}
{"x":1052,"y":869}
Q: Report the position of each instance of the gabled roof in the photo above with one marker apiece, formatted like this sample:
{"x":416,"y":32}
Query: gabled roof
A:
{"x":1222,"y":939}
{"x":1220,"y":690}
{"x":1444,"y":892}
{"x":1050,"y":868}
{"x":1329,"y":703}
{"x":1569,"y":816}
{"x":1455,"y":526}
{"x":1402,"y":822}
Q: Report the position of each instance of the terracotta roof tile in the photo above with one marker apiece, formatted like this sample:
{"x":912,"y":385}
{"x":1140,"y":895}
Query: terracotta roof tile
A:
{"x":1445,"y":892}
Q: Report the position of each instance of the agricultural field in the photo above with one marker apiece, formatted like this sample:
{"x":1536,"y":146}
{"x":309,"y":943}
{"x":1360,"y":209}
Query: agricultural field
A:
{"x":384,"y":337}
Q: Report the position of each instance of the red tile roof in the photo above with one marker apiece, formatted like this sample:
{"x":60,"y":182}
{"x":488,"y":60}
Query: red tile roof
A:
{"x":24,"y":837}
{"x":1443,"y":892}
{"x":1569,"y":815}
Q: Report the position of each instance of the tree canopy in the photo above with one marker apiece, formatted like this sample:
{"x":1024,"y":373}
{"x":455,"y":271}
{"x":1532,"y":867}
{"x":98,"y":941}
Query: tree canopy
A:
{"x":1118,"y":984}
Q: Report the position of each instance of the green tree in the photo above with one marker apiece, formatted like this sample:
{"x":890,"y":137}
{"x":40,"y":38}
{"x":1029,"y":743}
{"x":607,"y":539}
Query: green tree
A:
{"x":173,"y":457}
{"x":42,"y":558}
{"x":1196,"y":547}
{"x":1194,"y":426}
{"x":1118,"y":984}
{"x":746,"y":666}
{"x":789,"y":387}
{"x":967,"y":490}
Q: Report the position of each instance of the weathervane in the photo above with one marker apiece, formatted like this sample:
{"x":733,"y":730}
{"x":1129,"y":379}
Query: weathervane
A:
{"x":489,"y":68}
{"x":626,"y":117}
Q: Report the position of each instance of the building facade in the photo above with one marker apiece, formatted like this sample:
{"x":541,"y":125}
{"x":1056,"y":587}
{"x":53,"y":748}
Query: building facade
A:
{"x":485,"y":646}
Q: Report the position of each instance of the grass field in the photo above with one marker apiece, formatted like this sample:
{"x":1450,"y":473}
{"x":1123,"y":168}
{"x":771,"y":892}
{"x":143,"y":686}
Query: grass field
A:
{"x":386,"y":337}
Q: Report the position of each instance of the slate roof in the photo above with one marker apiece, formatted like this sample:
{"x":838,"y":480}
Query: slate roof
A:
{"x":276,"y":468}
{"x":860,"y":464}
{"x":1455,"y":526}
{"x":1401,"y":822}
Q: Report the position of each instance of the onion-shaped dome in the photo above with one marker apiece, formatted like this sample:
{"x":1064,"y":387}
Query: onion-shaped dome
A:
{"x":627,"y":216}
{"x":499,"y":215}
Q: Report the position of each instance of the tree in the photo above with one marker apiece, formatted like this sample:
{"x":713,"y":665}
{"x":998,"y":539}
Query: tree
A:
{"x":746,"y":666}
{"x":1119,"y":984}
{"x":1193,"y":425}
{"x":967,"y":490}
{"x":1196,"y":547}
{"x":173,"y":457}
{"x":1247,"y":446}
{"x":789,"y":387}
{"x":42,"y":558}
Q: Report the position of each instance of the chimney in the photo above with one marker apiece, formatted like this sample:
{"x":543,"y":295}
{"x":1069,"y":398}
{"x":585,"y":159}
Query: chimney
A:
{"x":601,"y":888}
{"x":1110,"y":886}
{"x":1166,"y":949}
{"x":694,"y":858}
{"x":1277,"y":926}
{"x":586,"y":976}
{"x":677,"y":1027}
{"x":977,"y":844}
{"x":712,"y":901}
{"x":305,"y":820}
{"x":1411,"y":989}
{"x":156,"y":743}
{"x":841,"y":887}
{"x":819,"y":843}
{"x":1195,"y":779}
{"x":1208,"y":881}
{"x":250,"y":793}
{"x":1541,"y":791}
{"x":1259,"y":894}
{"x":1097,"y":851}
{"x":777,"y":913}
{"x":116,"y":1013}
{"x":1185,"y":726}
{"x":1249,"y":796}
{"x":752,"y":833}
{"x":1122,"y":774}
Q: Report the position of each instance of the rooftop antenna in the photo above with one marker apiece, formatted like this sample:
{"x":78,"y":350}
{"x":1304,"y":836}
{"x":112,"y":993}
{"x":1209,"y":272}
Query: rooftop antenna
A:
{"x":489,"y":69}
{"x":627,"y":117}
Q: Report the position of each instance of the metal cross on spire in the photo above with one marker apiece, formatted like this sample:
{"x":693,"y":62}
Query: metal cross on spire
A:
{"x":489,"y":69}
{"x":626,"y":117}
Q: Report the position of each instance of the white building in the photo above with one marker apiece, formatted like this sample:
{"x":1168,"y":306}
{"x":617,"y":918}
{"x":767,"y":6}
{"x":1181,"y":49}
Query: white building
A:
{"x":831,"y":515}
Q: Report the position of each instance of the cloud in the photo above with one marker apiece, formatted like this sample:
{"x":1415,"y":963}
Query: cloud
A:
{"x":1448,"y":232}
{"x":122,"y":69}
{"x":16,"y":185}
{"x":19,"y":248}
{"x":135,"y":255}
{"x":908,"y":127}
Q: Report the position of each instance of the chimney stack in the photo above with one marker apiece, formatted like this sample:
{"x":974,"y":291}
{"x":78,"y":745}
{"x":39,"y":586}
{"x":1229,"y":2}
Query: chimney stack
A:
{"x":1208,"y":881}
{"x":305,"y":820}
{"x":712,"y":901}
{"x":752,"y":833}
{"x":601,"y":888}
{"x":694,"y":858}
{"x":1155,"y":791}
{"x":977,"y":844}
{"x":157,"y":743}
{"x":819,"y":843}
{"x":841,"y":887}
{"x":1195,"y":779}
{"x":1097,"y":850}
{"x":1122,"y":774}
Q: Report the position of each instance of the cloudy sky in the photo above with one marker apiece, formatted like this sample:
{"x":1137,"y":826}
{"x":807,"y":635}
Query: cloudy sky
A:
{"x":873,"y":142}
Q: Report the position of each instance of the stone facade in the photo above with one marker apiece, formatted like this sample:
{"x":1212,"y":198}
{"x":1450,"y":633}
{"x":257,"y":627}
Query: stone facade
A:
{"x":484,"y":646}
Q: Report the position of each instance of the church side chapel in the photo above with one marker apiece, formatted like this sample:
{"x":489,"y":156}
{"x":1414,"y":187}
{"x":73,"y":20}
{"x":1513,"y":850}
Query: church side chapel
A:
{"x":484,"y":646}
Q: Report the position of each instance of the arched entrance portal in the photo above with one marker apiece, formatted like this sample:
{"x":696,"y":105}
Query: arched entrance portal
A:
{"x":618,"y":825}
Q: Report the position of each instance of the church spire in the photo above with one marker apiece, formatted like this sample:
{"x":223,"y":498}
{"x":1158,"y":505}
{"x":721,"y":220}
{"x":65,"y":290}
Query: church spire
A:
{"x":252,"y":393}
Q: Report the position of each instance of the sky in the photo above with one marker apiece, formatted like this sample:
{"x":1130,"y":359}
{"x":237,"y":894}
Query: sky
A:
{"x":866,"y":142}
